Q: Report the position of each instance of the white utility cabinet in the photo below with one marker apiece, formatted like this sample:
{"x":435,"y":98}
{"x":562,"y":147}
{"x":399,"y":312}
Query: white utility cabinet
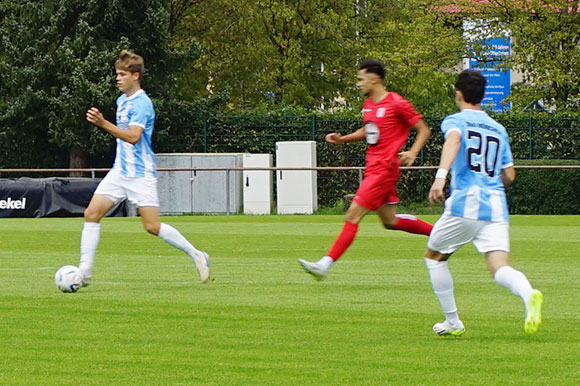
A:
{"x":199,"y":191}
{"x":174,"y":188}
{"x":296,"y":190}
{"x":258,"y":184}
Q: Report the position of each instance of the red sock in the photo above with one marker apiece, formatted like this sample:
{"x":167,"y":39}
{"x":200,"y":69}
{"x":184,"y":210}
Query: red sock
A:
{"x":343,"y":241}
{"x":411,"y":224}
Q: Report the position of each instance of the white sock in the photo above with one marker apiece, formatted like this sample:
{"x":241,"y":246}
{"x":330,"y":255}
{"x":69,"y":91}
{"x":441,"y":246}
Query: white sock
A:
{"x":443,"y":287}
{"x":172,"y":237}
{"x":516,"y":282}
{"x":89,"y":241}
{"x":326,"y":262}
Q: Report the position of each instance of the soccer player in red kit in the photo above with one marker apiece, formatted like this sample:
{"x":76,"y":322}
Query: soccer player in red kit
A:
{"x":387,"y":118}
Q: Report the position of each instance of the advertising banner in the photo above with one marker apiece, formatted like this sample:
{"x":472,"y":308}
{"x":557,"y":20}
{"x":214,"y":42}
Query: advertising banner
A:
{"x":49,"y":197}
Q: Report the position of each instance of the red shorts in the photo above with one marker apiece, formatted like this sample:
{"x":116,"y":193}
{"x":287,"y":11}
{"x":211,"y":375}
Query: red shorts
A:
{"x":377,"y":188}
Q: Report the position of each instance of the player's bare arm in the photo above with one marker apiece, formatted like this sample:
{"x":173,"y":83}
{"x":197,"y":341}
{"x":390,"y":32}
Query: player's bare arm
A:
{"x":335,"y":138}
{"x":131,"y":136}
{"x":508,"y":175}
{"x":448,"y":154}
{"x":408,"y":157}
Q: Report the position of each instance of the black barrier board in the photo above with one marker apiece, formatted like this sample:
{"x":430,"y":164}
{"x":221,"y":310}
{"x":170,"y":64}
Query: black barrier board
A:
{"x":49,"y":197}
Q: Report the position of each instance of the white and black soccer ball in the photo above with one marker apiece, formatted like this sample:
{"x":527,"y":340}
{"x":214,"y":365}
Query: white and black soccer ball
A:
{"x":68,"y":278}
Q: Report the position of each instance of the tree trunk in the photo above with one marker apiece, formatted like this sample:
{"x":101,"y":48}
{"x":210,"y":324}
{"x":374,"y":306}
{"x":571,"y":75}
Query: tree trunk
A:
{"x":78,"y":159}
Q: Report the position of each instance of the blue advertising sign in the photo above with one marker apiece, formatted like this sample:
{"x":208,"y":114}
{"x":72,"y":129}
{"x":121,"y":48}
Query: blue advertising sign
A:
{"x":498,"y":82}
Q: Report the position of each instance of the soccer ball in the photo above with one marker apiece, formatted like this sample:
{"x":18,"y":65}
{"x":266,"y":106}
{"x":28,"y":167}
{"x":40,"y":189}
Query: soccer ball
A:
{"x":68,"y":278}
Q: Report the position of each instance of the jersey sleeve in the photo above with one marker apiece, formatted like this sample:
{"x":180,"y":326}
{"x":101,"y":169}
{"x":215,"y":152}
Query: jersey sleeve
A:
{"x":507,"y":159}
{"x":450,"y":124}
{"x":139,"y":114}
{"x":408,"y":112}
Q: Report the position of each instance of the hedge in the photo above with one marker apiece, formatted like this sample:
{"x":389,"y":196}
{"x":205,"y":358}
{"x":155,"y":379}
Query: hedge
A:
{"x":545,"y":191}
{"x":538,"y":136}
{"x":196,"y":128}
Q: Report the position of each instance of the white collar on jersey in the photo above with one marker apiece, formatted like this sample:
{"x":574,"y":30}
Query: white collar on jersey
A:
{"x":478,"y":111}
{"x":138,"y":92}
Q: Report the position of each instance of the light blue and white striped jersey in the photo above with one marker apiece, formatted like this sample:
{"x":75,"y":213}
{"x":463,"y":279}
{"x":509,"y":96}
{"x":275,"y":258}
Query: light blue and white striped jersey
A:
{"x":135,"y":160}
{"x":477,"y":191}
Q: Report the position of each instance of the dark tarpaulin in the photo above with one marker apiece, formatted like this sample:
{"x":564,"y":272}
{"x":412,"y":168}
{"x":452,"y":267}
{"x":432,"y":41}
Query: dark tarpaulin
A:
{"x":49,"y":197}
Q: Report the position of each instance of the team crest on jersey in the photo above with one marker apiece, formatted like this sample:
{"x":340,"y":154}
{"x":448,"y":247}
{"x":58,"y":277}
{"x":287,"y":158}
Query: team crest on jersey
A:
{"x":372,"y":133}
{"x":381,"y":112}
{"x":123,"y":116}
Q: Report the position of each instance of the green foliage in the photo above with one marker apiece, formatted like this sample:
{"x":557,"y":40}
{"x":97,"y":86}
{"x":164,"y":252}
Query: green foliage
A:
{"x":545,"y":136}
{"x":179,"y":125}
{"x":545,"y":191}
{"x":542,"y":137}
{"x":272,"y":49}
{"x":545,"y":43}
{"x":305,"y":53}
{"x":57,"y":61}
{"x":420,"y":47}
{"x":264,"y":59}
{"x":546,"y":51}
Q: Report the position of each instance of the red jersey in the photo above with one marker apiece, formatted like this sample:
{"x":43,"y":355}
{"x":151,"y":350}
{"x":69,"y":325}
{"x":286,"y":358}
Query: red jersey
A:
{"x":387,"y":126}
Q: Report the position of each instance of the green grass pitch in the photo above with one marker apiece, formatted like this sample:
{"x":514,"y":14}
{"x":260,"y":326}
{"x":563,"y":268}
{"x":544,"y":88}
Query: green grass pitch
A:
{"x":146,"y":320}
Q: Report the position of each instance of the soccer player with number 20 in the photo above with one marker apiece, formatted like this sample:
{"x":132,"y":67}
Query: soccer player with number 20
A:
{"x":477,"y":154}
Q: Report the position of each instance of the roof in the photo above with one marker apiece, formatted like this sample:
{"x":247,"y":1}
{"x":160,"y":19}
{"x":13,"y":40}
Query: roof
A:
{"x":469,"y":6}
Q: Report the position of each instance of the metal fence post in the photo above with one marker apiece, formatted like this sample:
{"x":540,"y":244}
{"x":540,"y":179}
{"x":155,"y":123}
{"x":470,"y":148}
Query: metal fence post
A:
{"x":227,"y":192}
{"x":531,"y":140}
{"x":314,"y":127}
{"x":205,"y":134}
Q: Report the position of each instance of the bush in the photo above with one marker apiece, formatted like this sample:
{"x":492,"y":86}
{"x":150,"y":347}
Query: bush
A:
{"x":181,"y":129}
{"x":545,"y":191}
{"x":197,"y":128}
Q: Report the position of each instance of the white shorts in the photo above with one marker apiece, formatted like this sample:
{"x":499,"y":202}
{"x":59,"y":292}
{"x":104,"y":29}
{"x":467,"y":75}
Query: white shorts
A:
{"x":140,"y":191}
{"x":451,"y":232}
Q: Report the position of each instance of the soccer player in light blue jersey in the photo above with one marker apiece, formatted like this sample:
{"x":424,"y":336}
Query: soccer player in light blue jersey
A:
{"x":477,"y":155}
{"x":134,"y":175}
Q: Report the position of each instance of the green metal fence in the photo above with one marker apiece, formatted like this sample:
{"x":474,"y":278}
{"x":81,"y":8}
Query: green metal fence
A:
{"x":532,"y":138}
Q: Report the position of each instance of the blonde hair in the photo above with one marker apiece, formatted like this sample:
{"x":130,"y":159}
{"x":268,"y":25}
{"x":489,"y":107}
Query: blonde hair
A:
{"x":130,"y":61}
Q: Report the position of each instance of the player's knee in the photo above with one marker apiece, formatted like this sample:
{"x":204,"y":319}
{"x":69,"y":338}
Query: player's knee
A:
{"x":152,"y":227}
{"x":91,"y":215}
{"x":390,"y":223}
{"x":352,"y":218}
{"x":355,"y":213}
{"x":436,"y":256}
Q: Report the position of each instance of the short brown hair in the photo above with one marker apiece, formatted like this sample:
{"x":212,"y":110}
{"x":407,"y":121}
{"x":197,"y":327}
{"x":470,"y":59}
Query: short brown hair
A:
{"x":471,"y":83}
{"x":130,"y":61}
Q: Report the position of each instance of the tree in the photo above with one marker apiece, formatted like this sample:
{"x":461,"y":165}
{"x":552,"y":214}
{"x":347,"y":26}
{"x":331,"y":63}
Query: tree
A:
{"x":56,"y":61}
{"x":547,"y":52}
{"x":293,"y":52}
{"x":306,"y":52}
{"x":545,"y":47}
{"x":421,"y":47}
